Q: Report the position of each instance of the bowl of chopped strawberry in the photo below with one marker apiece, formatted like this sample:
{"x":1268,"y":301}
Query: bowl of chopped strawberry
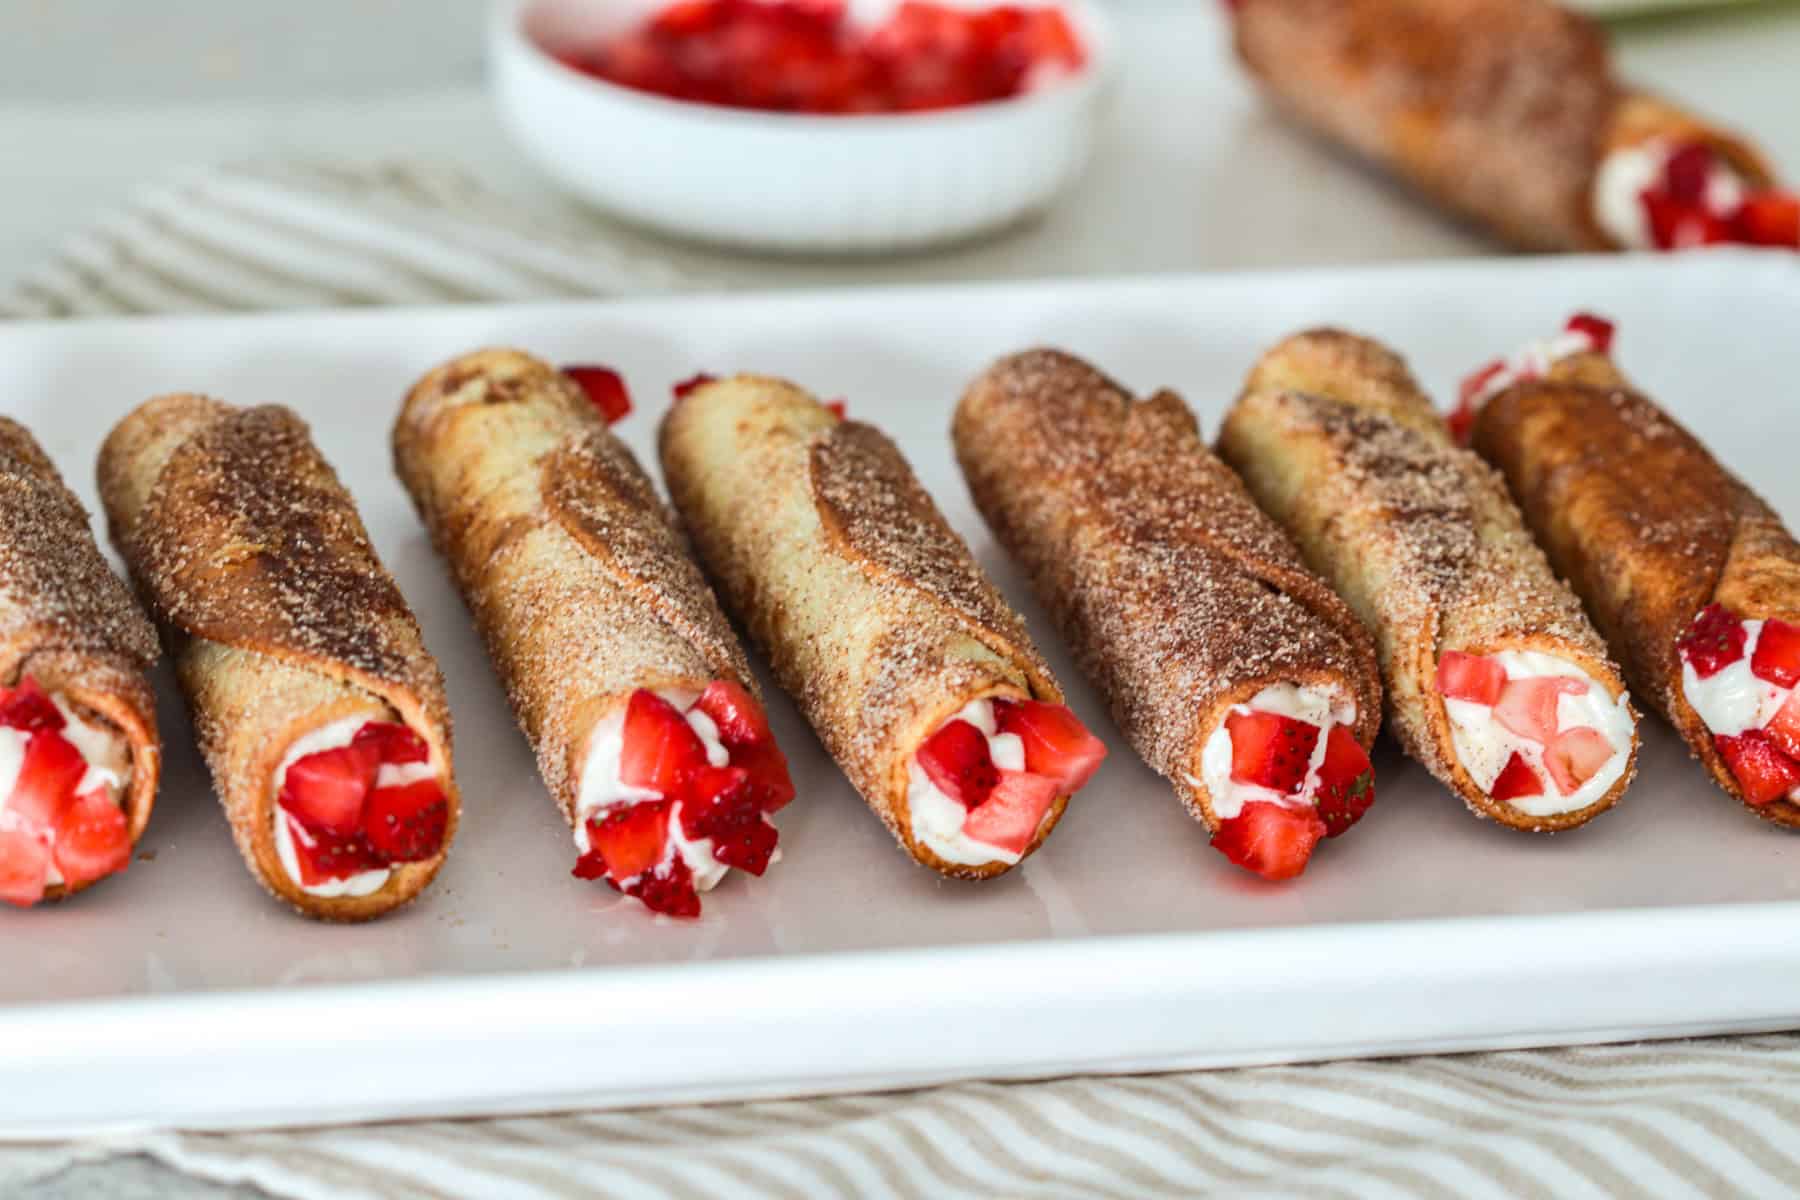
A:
{"x":848,"y":126}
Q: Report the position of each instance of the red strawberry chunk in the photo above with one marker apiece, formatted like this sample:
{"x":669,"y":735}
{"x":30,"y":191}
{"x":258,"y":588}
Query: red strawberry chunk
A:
{"x":661,"y":749}
{"x":1762,"y":770}
{"x":1777,"y":654}
{"x":326,"y":791}
{"x":1769,"y":219}
{"x":1346,"y":781}
{"x":1516,"y":779}
{"x":691,"y":383}
{"x":1271,"y":750}
{"x":749,"y":847}
{"x":669,"y":890}
{"x":1528,"y":706}
{"x":1714,"y":641}
{"x":1462,"y":419}
{"x":957,"y":761}
{"x":392,"y":743}
{"x":1272,"y":840}
{"x":93,"y":838}
{"x":24,"y":865}
{"x":1599,"y":330}
{"x":1675,"y":225}
{"x":1009,"y":819}
{"x":27,"y":708}
{"x":326,"y":857}
{"x":1057,"y":745}
{"x":407,"y":823}
{"x":626,"y":842}
{"x":1784,"y":727}
{"x":1687,"y":173}
{"x":770,"y":782}
{"x":1472,"y":677}
{"x":836,"y":408}
{"x":605,"y":390}
{"x":734,"y":710}
{"x":717,"y":802}
{"x":1575,"y":757}
{"x":47,"y":779}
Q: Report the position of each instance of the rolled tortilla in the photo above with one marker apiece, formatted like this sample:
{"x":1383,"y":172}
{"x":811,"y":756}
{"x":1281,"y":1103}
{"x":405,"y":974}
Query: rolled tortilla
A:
{"x":574,"y":571}
{"x":1335,"y":440}
{"x":1651,"y":531}
{"x":69,"y":625}
{"x":1183,"y":601}
{"x":282,"y":622}
{"x":871,"y":610}
{"x":1505,"y":111}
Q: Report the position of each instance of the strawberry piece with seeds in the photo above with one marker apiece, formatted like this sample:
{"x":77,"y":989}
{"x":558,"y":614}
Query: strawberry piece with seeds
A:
{"x":669,"y":889}
{"x":734,"y":710}
{"x":1010,"y":817}
{"x":1769,"y":219}
{"x":27,"y":708}
{"x":93,"y":838}
{"x":1271,"y":840}
{"x":326,"y":791}
{"x":1784,"y":727}
{"x":48,"y":776}
{"x":1057,"y":745}
{"x":749,"y":847}
{"x":392,"y":743}
{"x":1270,"y":750}
{"x":626,"y":842}
{"x":1761,"y":769}
{"x":1346,"y":781}
{"x":1714,"y":641}
{"x":1528,"y":706}
{"x":1515,"y":780}
{"x":1599,"y":330}
{"x":1575,"y":757}
{"x":1777,"y":654}
{"x":957,"y":761}
{"x":692,"y":382}
{"x":24,"y":865}
{"x":661,"y":749}
{"x":406,"y":823}
{"x":717,"y":803}
{"x":1472,"y":677}
{"x":326,"y":858}
{"x":605,"y":390}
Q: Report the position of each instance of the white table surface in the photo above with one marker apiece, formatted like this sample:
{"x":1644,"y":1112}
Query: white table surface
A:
{"x":97,"y":96}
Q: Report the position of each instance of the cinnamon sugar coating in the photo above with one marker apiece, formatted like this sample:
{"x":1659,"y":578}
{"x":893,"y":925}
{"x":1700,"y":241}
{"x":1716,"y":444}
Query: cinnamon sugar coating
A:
{"x":573,"y":568}
{"x":1646,"y":525}
{"x":279,"y":615}
{"x":67,"y":621}
{"x":1337,"y":442}
{"x":1179,"y":597}
{"x":872,"y":611}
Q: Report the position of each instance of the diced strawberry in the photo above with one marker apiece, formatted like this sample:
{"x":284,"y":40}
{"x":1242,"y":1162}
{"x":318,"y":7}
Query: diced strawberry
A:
{"x":1472,"y":677}
{"x":93,"y":838}
{"x":1762,"y":770}
{"x":1777,"y":654}
{"x":1516,"y":779}
{"x":1272,"y":840}
{"x":1784,"y":727}
{"x":393,"y":743}
{"x":47,"y":779}
{"x":1346,"y":781}
{"x":669,"y":890}
{"x":749,"y":847}
{"x":1057,"y":745}
{"x":1769,"y":219}
{"x":1714,"y":641}
{"x":24,"y":865}
{"x":324,"y":857}
{"x":1462,"y":419}
{"x":406,"y":823}
{"x":28,"y":708}
{"x":1009,"y":819}
{"x":326,"y":791}
{"x":605,"y":390}
{"x":716,"y":802}
{"x":836,"y":408}
{"x":1599,"y":330}
{"x":770,"y":782}
{"x":626,"y":842}
{"x":1528,"y":706}
{"x":956,"y":759}
{"x":661,"y":749}
{"x":692,"y":382}
{"x":1687,"y":173}
{"x":1271,"y":750}
{"x":734,"y":710}
{"x":1575,"y":757}
{"x":1678,"y":226}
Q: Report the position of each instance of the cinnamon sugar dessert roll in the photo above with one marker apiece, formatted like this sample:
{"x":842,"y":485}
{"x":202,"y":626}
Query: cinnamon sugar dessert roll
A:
{"x":1508,"y":112}
{"x":1496,"y":681}
{"x":1692,"y":577}
{"x":1235,"y":672}
{"x":619,"y":665}
{"x":318,"y":708}
{"x":79,"y":750}
{"x":915,"y":673}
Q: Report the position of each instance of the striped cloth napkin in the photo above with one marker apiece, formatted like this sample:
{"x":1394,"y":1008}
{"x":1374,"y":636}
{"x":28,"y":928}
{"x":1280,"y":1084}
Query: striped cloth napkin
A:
{"x":1715,"y":1118}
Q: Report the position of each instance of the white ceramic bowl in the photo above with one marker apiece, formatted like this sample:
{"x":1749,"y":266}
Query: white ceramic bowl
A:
{"x":778,"y":181}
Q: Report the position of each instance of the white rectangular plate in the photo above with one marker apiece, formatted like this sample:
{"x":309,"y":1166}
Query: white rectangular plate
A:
{"x":179,"y":994}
